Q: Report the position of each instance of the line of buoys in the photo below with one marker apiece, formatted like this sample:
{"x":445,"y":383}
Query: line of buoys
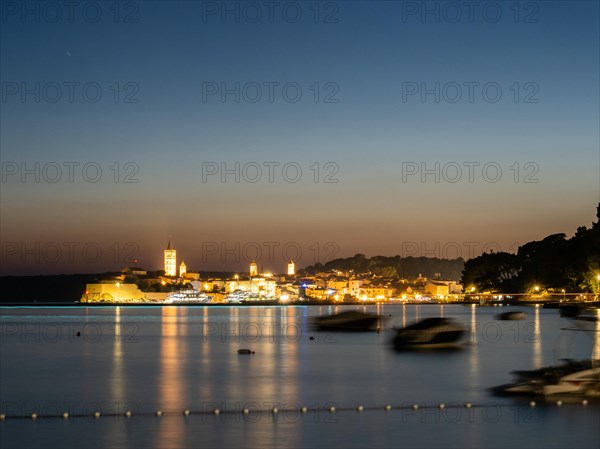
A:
{"x":276,"y":410}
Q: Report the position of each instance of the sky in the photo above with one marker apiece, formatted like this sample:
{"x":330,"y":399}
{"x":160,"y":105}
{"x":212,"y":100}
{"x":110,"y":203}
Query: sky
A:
{"x":307,"y":130}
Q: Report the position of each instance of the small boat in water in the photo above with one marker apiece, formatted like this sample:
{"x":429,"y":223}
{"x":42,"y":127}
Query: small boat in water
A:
{"x":573,"y":378}
{"x":187,"y":297}
{"x":430,"y":333}
{"x":511,"y":316}
{"x":349,"y":321}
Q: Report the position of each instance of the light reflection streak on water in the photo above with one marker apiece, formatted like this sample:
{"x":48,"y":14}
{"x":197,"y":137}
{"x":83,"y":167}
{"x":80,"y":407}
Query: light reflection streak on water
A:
{"x":173,"y":360}
{"x":119,"y":386}
{"x":596,"y":338}
{"x":473,"y":351}
{"x":537,"y":339}
{"x":403,"y":315}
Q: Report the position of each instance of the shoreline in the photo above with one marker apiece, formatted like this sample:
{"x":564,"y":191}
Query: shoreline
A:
{"x":544,"y":304}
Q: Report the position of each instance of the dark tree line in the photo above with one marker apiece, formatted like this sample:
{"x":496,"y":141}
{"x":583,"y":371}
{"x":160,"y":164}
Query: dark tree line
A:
{"x":395,"y":267}
{"x":553,"y":263}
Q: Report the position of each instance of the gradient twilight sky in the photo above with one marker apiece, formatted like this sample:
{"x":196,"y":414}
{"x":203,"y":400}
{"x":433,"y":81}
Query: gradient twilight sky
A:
{"x":367,"y":55}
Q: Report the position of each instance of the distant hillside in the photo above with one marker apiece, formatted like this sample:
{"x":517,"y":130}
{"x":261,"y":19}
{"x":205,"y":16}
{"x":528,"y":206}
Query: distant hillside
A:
{"x":396,"y":266}
{"x":55,"y":288}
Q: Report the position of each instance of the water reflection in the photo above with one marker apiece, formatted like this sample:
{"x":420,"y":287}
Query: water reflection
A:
{"x":537,"y":339}
{"x":118,"y":378}
{"x":474,"y":376}
{"x":173,"y":362}
{"x":596,"y":338}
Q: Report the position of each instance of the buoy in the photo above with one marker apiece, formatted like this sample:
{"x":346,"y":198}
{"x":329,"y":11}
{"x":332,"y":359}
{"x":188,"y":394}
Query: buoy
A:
{"x":65,"y":415}
{"x":311,"y":338}
{"x":441,"y":406}
{"x":360,"y":408}
{"x":388,"y":407}
{"x":468,"y":405}
{"x":245,"y":411}
{"x":532,"y":403}
{"x":245,"y":351}
{"x":216,"y":411}
{"x":275,"y":410}
{"x":559,"y":403}
{"x":158,"y":413}
{"x":584,"y":402}
{"x":415,"y":406}
{"x":186,"y":412}
{"x":303,"y":409}
{"x":332,"y":409}
{"x":128,"y":414}
{"x":34,"y":416}
{"x":96,"y":414}
{"x":78,"y":334}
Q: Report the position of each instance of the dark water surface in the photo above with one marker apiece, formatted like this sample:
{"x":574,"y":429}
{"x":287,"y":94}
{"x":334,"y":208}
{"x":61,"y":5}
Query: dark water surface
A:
{"x":145,"y":359}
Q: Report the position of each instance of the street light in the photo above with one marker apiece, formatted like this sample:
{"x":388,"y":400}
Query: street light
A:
{"x":563,"y":291}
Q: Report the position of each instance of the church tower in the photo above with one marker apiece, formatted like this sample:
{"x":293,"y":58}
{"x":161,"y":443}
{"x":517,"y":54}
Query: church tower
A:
{"x":182,"y":269}
{"x":170,"y":260}
{"x":253,"y":269}
{"x":291,"y":271}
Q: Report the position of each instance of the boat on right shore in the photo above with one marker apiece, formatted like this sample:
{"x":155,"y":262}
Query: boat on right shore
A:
{"x":573,"y":378}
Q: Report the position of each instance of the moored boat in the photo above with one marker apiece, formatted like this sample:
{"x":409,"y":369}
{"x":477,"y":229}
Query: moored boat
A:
{"x":573,"y":378}
{"x":511,"y":316}
{"x":348,"y":321}
{"x":430,"y":333}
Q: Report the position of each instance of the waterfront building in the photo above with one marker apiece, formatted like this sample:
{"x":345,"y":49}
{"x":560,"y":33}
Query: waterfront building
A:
{"x":111,"y":291}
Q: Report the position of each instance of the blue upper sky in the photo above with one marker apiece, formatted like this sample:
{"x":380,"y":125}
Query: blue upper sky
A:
{"x":375,"y":88}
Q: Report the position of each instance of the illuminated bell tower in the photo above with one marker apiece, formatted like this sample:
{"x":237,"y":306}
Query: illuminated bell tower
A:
{"x":182,"y":269}
{"x":291,"y":271}
{"x":170,"y":260}
{"x":253,"y":269}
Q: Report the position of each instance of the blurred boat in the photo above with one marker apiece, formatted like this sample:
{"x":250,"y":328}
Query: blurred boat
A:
{"x":569,"y":311}
{"x":187,"y":297}
{"x":349,"y":321}
{"x":511,"y":316}
{"x":580,"y":383}
{"x":573,"y":378}
{"x":430,"y":333}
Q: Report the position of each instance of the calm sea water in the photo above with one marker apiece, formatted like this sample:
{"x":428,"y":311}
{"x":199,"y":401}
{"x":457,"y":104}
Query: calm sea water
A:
{"x":144,"y":359}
